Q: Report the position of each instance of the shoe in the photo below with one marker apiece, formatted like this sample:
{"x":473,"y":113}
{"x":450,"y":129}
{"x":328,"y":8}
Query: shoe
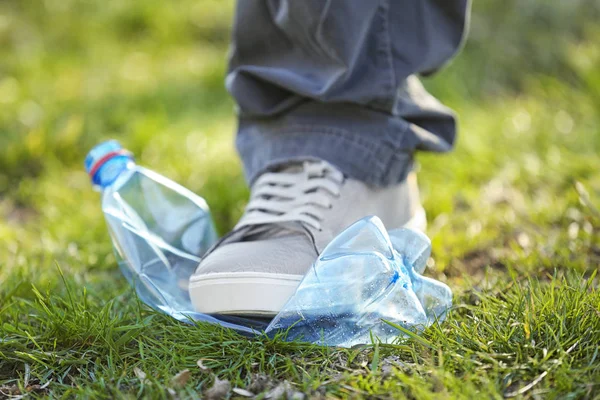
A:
{"x":293,"y":213}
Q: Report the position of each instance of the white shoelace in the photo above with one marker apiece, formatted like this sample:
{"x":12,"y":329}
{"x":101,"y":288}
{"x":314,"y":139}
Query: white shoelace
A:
{"x":296,"y":194}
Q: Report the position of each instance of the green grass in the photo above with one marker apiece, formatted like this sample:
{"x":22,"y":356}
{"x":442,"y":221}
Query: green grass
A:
{"x":513,"y":211}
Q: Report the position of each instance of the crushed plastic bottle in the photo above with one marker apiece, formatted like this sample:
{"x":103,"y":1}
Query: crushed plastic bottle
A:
{"x":364,"y":284}
{"x":159,"y":229}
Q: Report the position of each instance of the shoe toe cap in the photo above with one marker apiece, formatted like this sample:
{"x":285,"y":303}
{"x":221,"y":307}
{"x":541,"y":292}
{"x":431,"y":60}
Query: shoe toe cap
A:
{"x":291,"y":255}
{"x":251,"y":278}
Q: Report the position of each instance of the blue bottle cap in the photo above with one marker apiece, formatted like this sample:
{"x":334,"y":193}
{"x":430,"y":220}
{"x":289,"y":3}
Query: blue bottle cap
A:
{"x":109,"y":156}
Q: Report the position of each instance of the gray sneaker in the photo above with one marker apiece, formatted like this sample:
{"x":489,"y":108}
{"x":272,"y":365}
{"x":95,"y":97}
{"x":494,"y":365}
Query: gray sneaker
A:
{"x":290,"y":218}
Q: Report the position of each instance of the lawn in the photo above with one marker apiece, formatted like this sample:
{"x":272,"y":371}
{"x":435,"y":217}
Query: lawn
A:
{"x":513,"y":213}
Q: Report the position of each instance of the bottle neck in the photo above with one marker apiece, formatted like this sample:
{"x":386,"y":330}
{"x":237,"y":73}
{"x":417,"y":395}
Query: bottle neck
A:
{"x":111,"y":170}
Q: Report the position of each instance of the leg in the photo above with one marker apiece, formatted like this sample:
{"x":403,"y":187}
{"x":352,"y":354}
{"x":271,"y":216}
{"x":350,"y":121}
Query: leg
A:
{"x":336,"y":80}
{"x":330,"y":114}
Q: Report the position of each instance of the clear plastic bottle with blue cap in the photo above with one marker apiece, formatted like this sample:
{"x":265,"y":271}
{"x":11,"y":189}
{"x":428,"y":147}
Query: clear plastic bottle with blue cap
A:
{"x":365,"y":284}
{"x":159,"y":229}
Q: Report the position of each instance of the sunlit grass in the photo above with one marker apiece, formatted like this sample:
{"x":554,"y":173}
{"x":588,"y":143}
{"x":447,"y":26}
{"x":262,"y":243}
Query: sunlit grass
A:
{"x":512,"y":212}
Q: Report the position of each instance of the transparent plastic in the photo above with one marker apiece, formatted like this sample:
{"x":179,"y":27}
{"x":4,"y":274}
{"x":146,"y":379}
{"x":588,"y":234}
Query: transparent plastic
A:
{"x":159,"y":230}
{"x":365,"y":281}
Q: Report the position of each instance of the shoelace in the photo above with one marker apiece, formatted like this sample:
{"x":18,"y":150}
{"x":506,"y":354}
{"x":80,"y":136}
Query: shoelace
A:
{"x":297,"y":194}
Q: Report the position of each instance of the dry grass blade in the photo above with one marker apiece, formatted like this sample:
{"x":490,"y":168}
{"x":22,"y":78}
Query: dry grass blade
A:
{"x":181,"y":378}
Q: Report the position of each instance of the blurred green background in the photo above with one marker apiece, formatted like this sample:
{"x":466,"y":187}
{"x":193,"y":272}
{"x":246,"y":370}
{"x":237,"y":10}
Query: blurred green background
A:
{"x":72,"y":73}
{"x":517,"y":197}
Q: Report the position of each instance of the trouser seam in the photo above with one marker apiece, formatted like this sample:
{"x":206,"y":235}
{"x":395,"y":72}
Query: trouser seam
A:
{"x":387,"y":51}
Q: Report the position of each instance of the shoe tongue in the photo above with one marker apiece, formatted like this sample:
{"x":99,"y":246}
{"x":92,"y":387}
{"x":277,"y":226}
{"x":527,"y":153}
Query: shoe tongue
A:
{"x":248,"y":232}
{"x":271,"y":230}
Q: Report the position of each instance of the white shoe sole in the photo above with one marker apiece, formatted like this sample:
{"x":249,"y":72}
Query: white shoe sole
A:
{"x":254,"y":293}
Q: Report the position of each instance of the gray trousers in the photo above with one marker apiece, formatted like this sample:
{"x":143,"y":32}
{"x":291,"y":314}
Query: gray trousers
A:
{"x":337,"y":80}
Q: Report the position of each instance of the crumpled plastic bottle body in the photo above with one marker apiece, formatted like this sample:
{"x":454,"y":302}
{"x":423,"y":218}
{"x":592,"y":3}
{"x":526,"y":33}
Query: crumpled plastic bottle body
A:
{"x":363,"y":278}
{"x":365,"y":282}
{"x":158,"y":230}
